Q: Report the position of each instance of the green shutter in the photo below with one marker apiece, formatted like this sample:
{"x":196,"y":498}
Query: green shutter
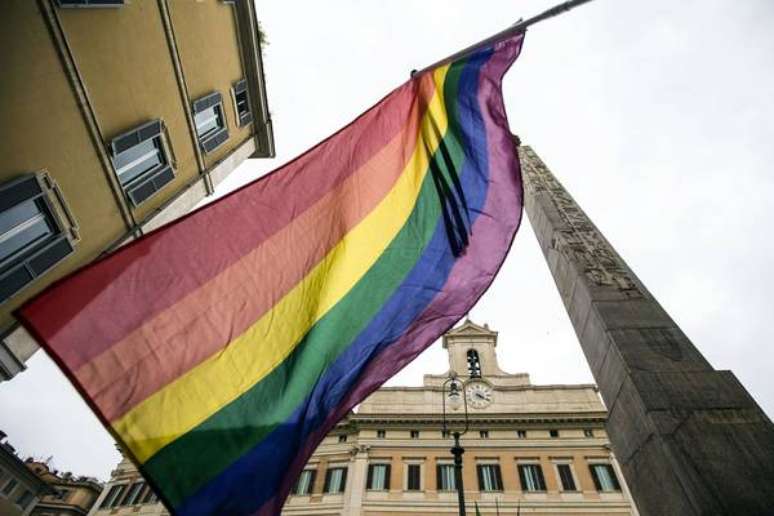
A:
{"x":596,"y":479}
{"x":541,"y":479}
{"x":327,"y":485}
{"x":522,"y":478}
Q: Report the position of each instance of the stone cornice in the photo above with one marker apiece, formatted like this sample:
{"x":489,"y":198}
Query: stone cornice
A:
{"x":477,"y":419}
{"x":432,"y":388}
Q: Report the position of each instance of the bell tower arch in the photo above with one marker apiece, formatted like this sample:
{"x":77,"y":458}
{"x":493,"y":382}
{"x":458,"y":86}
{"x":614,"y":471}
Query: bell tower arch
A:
{"x":471,"y":351}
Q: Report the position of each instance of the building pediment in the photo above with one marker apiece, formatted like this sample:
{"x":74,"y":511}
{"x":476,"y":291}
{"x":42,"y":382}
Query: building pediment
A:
{"x":470,"y":329}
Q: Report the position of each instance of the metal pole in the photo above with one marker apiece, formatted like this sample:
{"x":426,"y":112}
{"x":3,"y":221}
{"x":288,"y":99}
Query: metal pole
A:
{"x":519,"y":26}
{"x":457,"y":452}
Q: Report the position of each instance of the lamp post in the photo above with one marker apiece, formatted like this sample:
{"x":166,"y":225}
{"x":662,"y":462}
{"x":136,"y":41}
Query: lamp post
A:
{"x":456,"y":389}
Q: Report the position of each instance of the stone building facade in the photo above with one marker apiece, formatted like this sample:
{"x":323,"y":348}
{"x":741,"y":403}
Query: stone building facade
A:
{"x":127,"y":493}
{"x":67,"y":494}
{"x":537,"y":449}
{"x":117,"y":117}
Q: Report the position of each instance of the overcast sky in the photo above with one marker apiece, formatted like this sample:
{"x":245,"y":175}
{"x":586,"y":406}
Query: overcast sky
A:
{"x":657,"y":116}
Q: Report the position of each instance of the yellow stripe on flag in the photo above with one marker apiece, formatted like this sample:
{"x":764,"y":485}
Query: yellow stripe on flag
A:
{"x":188,"y":401}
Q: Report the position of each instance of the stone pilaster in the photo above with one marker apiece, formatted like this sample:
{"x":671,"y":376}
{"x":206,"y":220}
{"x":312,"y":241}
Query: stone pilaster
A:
{"x":690,"y":440}
{"x":358,"y":467}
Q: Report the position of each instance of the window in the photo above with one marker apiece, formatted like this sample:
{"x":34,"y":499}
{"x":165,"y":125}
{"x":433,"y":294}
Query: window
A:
{"x":531,"y":477}
{"x":24,"y":499}
{"x":10,"y":486}
{"x":588,"y":432}
{"x":141,"y":163}
{"x":444,"y":474}
{"x":242,"y":103}
{"x":414,"y":477}
{"x":210,"y":121}
{"x":484,"y":434}
{"x":565,"y":476}
{"x":553,"y":433}
{"x":90,"y":3}
{"x":489,"y":477}
{"x":381,"y":434}
{"x":132,"y":494}
{"x":604,"y":477}
{"x":474,"y":364}
{"x":149,"y":496}
{"x":414,"y":434}
{"x":521,"y":434}
{"x":335,"y":480}
{"x":111,"y":499}
{"x":305,"y":482}
{"x":32,"y":236}
{"x":378,"y":477}
{"x":343,"y":438}
{"x":61,"y":493}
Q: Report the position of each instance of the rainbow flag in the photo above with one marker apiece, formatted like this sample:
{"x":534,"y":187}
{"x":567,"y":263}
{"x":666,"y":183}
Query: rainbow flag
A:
{"x":220,"y":349}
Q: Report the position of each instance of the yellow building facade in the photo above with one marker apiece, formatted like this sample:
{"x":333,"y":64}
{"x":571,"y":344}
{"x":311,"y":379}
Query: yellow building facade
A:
{"x":118,"y":116}
{"x":533,"y":449}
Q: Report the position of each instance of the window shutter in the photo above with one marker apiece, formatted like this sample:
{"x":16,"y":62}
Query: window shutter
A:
{"x":344,"y":479}
{"x":565,"y":476}
{"x":522,"y":479}
{"x":479,"y":471}
{"x":370,"y":477}
{"x":327,"y":485}
{"x":596,"y":479}
{"x":541,"y":480}
{"x":387,"y":477}
{"x":19,"y":190}
{"x":142,"y":190}
{"x":50,"y":255}
{"x":498,"y":478}
{"x":215,"y":141}
{"x":414,"y":481}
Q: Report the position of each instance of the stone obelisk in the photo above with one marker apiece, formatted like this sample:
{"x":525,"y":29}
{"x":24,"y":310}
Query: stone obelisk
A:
{"x":690,"y":439}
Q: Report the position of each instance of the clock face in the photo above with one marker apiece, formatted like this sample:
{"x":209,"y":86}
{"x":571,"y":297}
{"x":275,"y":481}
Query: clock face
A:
{"x":479,"y":395}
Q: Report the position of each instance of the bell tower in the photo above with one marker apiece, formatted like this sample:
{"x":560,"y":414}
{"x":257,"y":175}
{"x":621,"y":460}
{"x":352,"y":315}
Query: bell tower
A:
{"x":471,"y":351}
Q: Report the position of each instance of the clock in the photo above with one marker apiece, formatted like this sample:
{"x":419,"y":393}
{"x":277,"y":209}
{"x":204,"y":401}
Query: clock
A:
{"x":479,"y":395}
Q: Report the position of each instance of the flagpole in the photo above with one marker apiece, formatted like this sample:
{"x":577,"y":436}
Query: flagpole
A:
{"x":519,"y":26}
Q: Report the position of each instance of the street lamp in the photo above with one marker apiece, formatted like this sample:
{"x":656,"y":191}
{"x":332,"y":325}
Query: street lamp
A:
{"x":456,"y":389}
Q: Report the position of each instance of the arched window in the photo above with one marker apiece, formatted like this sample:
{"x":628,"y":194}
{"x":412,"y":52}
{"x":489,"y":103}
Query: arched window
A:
{"x":474,"y":364}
